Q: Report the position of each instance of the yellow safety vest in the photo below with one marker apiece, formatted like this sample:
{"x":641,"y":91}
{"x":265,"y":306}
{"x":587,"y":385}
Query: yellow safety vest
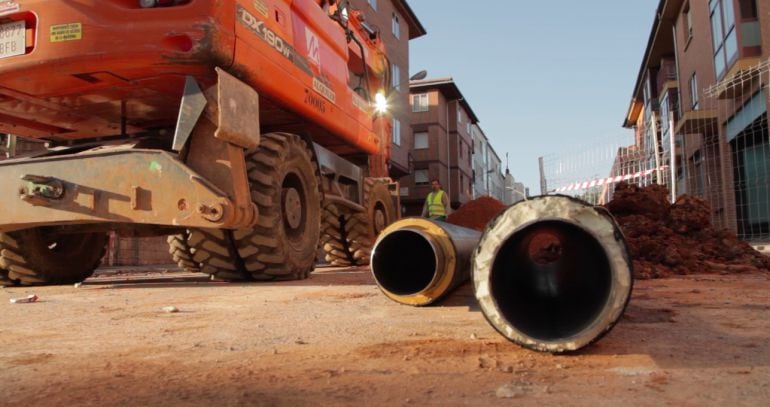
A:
{"x":436,"y":204}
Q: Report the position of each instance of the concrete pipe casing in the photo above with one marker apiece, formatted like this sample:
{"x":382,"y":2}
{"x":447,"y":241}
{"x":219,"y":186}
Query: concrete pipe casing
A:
{"x":553,"y":273}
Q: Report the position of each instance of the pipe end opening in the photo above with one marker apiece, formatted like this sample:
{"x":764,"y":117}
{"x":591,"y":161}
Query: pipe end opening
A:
{"x":404,"y":262}
{"x":551,"y":280}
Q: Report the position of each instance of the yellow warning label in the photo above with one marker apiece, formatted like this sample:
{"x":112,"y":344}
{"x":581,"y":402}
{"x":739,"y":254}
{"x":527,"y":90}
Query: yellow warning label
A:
{"x":261,"y":7}
{"x":66,"y":32}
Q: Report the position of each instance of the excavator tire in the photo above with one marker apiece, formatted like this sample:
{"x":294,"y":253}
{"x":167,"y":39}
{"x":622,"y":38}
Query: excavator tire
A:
{"x":41,"y":256}
{"x":338,"y":228}
{"x":282,"y":245}
{"x":5,"y":281}
{"x":347,"y":238}
{"x":381,"y":210}
{"x":180,"y":252}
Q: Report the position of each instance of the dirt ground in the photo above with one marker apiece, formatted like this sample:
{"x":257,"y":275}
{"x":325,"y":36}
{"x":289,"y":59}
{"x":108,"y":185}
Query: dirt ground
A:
{"x":335,"y":340}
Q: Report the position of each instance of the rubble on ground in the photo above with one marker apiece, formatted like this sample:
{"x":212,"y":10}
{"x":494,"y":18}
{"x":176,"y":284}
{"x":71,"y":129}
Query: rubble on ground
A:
{"x":477,"y":213}
{"x":668,"y":239}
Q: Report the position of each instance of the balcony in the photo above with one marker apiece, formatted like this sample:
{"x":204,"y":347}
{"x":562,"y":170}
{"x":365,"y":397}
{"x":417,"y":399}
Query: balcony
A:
{"x":739,"y":80}
{"x":698,"y":122}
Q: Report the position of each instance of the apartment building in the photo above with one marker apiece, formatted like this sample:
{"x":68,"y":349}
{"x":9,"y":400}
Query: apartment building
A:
{"x":397,"y":25}
{"x":487,"y":178}
{"x":496,"y":177}
{"x":480,"y":161}
{"x":699,"y":108}
{"x":442,"y":147}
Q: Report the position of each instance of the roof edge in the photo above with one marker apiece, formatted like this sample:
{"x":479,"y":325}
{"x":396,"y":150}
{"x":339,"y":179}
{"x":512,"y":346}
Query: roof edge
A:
{"x":645,"y":61}
{"x":416,"y":29}
{"x":449,"y":87}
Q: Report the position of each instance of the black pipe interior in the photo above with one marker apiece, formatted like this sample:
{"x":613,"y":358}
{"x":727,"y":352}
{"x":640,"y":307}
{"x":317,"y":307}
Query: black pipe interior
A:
{"x":551,"y":280}
{"x":404,"y":263}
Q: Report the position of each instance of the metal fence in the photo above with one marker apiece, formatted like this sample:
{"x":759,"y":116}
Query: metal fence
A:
{"x":593,"y":172}
{"x":711,"y":143}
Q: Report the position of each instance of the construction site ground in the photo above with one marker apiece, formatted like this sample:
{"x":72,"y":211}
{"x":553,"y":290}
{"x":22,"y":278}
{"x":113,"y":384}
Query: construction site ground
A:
{"x":335,"y":340}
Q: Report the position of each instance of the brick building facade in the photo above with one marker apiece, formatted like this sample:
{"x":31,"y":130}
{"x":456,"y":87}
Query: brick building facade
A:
{"x":699,"y":107}
{"x":442,"y":149}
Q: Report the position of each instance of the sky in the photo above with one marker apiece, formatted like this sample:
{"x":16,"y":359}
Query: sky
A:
{"x":543,"y":77}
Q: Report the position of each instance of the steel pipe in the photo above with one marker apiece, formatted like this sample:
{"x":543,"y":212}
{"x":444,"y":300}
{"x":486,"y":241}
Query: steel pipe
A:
{"x":552,"y":273}
{"x":419,"y":261}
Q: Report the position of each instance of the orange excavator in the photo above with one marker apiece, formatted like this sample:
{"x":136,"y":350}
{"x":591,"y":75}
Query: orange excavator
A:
{"x":252,"y":132}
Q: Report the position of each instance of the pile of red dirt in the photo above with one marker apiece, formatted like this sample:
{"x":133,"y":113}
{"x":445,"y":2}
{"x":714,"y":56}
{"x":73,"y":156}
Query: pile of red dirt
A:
{"x":665,"y":239}
{"x":477,"y":213}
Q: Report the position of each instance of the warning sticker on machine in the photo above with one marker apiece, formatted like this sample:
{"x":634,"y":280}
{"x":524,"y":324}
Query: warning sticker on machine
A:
{"x":66,"y":32}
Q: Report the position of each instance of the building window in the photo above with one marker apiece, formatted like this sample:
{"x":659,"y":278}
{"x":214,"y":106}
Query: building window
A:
{"x":396,"y":26}
{"x":420,"y":103}
{"x":373,"y":3}
{"x":723,"y":33}
{"x":421,"y":177}
{"x":396,"y":132}
{"x":460,"y":148}
{"x":468,"y":127}
{"x":694,"y":91}
{"x":421,"y":140}
{"x":459,"y":115}
{"x":396,"y":72}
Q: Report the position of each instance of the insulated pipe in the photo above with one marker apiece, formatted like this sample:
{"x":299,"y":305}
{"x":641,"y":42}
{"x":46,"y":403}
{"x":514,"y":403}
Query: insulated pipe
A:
{"x":418,"y":261}
{"x":552,"y":273}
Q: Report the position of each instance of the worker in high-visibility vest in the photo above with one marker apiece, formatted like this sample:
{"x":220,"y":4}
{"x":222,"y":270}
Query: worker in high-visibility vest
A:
{"x":436,"y":203}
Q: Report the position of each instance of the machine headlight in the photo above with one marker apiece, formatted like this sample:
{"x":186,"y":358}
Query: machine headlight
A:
{"x":380,"y":103}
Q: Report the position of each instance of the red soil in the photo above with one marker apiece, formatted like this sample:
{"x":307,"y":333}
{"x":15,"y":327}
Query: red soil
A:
{"x":477,"y":213}
{"x":665,"y":239}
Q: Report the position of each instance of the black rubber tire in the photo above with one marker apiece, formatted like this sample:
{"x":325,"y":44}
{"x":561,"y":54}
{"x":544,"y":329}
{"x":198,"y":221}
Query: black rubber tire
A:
{"x":339,"y":232}
{"x":347,"y":238}
{"x":381,"y":210}
{"x":214,"y":252}
{"x":41,"y":256}
{"x":280,"y":170}
{"x":180,"y":252}
{"x":5,"y":281}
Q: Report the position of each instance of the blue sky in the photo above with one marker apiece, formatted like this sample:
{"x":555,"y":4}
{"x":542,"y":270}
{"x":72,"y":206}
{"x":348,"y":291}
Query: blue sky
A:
{"x":543,"y":77}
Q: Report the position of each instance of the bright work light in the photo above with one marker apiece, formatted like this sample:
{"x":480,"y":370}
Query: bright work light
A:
{"x":380,"y":103}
